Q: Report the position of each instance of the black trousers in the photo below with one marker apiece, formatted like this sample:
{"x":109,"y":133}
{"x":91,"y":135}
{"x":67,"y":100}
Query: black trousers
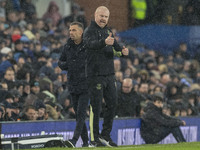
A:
{"x":80,"y":105}
{"x":153,"y":138}
{"x":102,"y":87}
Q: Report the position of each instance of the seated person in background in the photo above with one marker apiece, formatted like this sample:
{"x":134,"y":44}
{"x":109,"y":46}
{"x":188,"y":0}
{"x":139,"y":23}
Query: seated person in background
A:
{"x":155,"y":125}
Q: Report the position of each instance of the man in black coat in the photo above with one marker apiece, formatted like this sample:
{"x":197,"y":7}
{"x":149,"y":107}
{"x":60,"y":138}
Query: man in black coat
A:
{"x":101,"y":47}
{"x":128,"y":100}
{"x":72,"y":59}
{"x":155,"y":125}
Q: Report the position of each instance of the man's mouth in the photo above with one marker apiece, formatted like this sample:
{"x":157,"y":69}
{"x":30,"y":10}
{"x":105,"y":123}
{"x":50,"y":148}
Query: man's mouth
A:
{"x":102,"y":21}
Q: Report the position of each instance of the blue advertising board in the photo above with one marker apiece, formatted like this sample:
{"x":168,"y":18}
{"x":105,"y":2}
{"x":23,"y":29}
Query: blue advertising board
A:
{"x":125,"y":131}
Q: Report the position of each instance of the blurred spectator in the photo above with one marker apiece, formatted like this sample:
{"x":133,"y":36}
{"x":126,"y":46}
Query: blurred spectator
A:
{"x":11,"y":108}
{"x":29,"y":9}
{"x":39,"y":27}
{"x":41,"y":109}
{"x":117,"y":65}
{"x":51,"y":113}
{"x":2,"y":11}
{"x":3,"y":87}
{"x":68,"y":110}
{"x":164,"y":80}
{"x":191,"y":13}
{"x":12,"y":5}
{"x":9,"y":78}
{"x":197,"y":77}
{"x":8,"y":100}
{"x":25,"y":70}
{"x":172,"y":90}
{"x":144,"y":75}
{"x":29,"y":114}
{"x":13,"y":18}
{"x":26,"y":90}
{"x":19,"y":52}
{"x":183,"y":112}
{"x":167,"y":110}
{"x":16,"y":95}
{"x":138,"y":12}
{"x":1,"y":114}
{"x":35,"y":87}
{"x":47,"y":69}
{"x":192,"y":107}
{"x":22,"y":22}
{"x":128,"y":100}
{"x":58,"y":89}
{"x":6,"y":61}
{"x":77,"y":15}
{"x":52,"y":14}
{"x":143,"y":89}
{"x":12,"y":112}
{"x":182,"y":51}
{"x":59,"y":110}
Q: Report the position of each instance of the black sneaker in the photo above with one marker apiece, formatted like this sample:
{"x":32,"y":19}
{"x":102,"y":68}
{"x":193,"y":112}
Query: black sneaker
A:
{"x":70,"y":143}
{"x":107,"y":141}
{"x":85,"y":145}
{"x":96,"y":143}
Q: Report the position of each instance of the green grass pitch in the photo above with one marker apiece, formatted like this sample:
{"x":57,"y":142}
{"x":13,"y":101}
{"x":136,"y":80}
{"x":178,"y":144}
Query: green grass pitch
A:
{"x":178,"y":146}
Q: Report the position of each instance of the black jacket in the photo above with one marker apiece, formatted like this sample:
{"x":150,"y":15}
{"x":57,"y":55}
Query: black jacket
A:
{"x":99,"y":55}
{"x":72,"y":59}
{"x":128,"y":104}
{"x":155,"y":120}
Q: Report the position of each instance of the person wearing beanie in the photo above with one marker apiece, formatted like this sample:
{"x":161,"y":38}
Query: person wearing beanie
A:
{"x":19,"y":50}
{"x":41,"y":109}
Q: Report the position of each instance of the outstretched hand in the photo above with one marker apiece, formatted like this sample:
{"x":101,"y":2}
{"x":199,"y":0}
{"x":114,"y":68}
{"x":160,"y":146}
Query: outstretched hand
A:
{"x":125,"y":51}
{"x":109,"y":40}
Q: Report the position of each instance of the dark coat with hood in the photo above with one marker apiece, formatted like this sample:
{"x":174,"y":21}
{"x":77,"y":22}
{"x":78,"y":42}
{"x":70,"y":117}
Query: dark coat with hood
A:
{"x":154,"y":120}
{"x":72,"y":59}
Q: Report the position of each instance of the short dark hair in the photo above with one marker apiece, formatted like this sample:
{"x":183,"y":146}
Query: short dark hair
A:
{"x":158,"y":96}
{"x":78,"y":24}
{"x":28,"y":107}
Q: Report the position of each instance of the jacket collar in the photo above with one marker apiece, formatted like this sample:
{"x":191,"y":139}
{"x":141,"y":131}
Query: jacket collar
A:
{"x":71,"y":42}
{"x":94,"y":24}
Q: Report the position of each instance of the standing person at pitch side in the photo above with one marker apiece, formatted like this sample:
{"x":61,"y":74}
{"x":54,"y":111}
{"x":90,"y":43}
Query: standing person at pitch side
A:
{"x":101,"y":47}
{"x":72,"y":59}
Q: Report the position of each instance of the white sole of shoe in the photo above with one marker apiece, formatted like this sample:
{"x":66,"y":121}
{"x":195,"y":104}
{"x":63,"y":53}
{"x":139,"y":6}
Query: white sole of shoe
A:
{"x":90,"y":145}
{"x":104,"y":142}
{"x":69,"y":144}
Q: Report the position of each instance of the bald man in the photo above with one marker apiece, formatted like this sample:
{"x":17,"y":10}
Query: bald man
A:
{"x":101,"y":48}
{"x":128,"y":100}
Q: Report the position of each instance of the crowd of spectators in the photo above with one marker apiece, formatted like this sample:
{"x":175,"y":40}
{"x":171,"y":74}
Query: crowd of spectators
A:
{"x":33,"y":87}
{"x":175,"y":76}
